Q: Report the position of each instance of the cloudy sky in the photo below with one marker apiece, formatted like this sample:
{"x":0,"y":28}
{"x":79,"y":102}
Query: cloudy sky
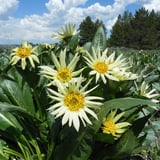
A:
{"x":36,"y":20}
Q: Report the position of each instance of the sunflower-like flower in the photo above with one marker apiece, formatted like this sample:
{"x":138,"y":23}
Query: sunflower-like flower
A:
{"x":74,"y":103}
{"x":144,"y":91}
{"x":66,"y":32}
{"x":110,"y":125}
{"x":63,"y":72}
{"x":104,"y":66}
{"x":26,"y":51}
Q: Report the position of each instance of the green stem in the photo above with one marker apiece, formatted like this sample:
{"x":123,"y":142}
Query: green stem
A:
{"x":38,"y":104}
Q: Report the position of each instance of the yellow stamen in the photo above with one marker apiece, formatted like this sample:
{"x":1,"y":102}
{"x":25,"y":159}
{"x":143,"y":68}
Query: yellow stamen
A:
{"x":100,"y":67}
{"x":64,"y":75}
{"x":109,"y":127}
{"x":23,"y":52}
{"x":74,"y":101}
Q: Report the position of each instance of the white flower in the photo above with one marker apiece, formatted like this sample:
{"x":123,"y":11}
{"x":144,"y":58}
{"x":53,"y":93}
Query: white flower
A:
{"x":63,"y":72}
{"x":73,"y":103}
{"x":107,"y":67}
{"x":144,"y":91}
{"x":26,"y":51}
{"x":66,"y":32}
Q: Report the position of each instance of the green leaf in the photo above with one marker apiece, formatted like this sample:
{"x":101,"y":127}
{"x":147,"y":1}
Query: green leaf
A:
{"x":87,"y":46}
{"x":7,"y":120}
{"x":105,"y":138}
{"x":99,"y":39}
{"x":73,"y":42}
{"x":119,"y":103}
{"x":74,"y":146}
{"x":139,"y":124}
{"x":5,"y":107}
{"x":17,"y":92}
{"x":126,"y":145}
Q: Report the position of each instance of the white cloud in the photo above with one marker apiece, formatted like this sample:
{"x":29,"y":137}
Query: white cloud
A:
{"x":153,"y":4}
{"x":55,"y":5}
{"x":39,"y":28}
{"x":7,"y":8}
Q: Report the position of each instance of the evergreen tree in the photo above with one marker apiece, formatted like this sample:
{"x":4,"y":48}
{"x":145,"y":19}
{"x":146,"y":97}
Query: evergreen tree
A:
{"x":140,"y":31}
{"x":88,"y":29}
{"x":120,"y":31}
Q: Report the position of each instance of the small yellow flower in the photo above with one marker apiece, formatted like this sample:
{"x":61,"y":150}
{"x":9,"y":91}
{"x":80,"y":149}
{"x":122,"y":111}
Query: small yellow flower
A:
{"x":26,"y":51}
{"x":66,"y":32}
{"x":73,"y":103}
{"x":110,"y":125}
{"x":64,"y":72}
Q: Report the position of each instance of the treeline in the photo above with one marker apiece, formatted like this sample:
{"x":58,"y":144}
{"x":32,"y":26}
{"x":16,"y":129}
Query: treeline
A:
{"x":140,"y":31}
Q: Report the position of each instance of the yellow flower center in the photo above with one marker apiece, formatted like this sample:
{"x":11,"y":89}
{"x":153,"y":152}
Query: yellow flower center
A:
{"x":109,"y":127}
{"x":74,"y":101}
{"x":100,"y":67}
{"x":64,"y":75}
{"x":23,"y":52}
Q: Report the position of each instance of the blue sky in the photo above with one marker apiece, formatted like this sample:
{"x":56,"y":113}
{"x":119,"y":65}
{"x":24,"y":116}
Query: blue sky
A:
{"x":36,"y":20}
{"x":29,"y":7}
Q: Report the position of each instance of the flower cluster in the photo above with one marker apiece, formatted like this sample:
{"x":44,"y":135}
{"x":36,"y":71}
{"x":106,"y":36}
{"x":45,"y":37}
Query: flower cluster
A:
{"x":72,"y":101}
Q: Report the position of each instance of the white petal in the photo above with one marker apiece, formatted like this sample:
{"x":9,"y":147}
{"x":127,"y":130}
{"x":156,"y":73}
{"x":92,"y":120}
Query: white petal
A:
{"x":103,"y":79}
{"x":97,"y":77}
{"x":76,"y":122}
{"x":53,"y":107}
{"x":65,"y":118}
{"x":85,"y":117}
{"x":31,"y":61}
{"x":55,"y":93}
{"x":63,"y":58}
{"x":35,"y":58}
{"x":91,"y":113}
{"x":23,"y":63}
{"x":55,"y":61}
{"x":14,"y":60}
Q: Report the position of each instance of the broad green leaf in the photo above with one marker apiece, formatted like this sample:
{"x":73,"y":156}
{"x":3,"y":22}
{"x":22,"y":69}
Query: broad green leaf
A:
{"x":87,"y":46}
{"x":17,"y":92}
{"x":99,"y":39}
{"x":6,"y":107}
{"x":105,"y":138}
{"x":7,"y":120}
{"x":139,"y":124}
{"x":126,"y":146}
{"x":119,"y":103}
{"x":73,"y":42}
{"x":120,"y":150}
